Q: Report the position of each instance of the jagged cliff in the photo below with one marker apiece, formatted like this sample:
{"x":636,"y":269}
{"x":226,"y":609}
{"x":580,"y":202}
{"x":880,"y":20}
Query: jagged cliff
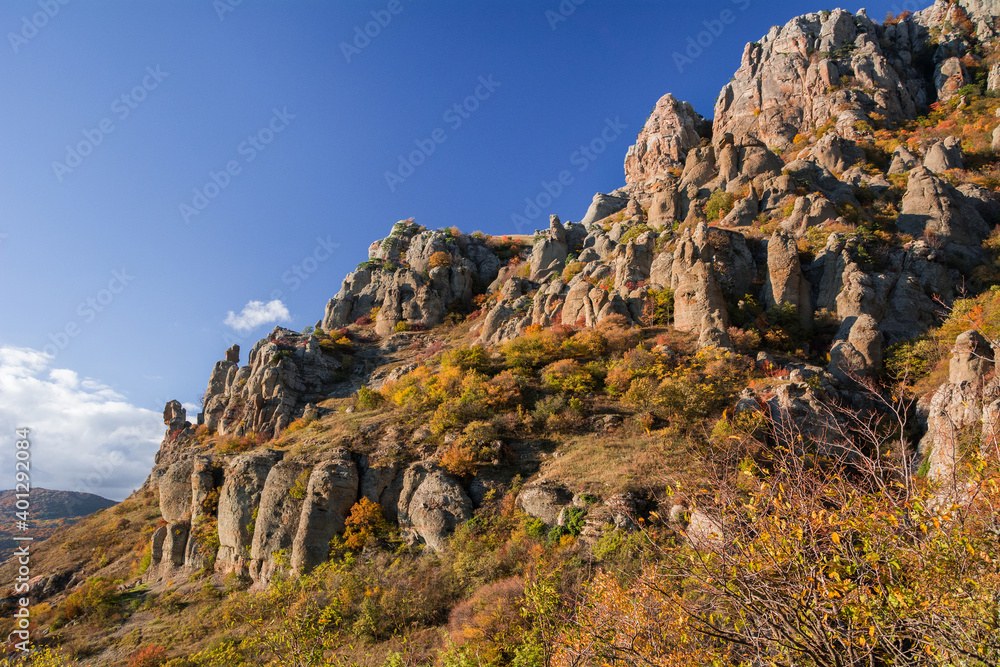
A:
{"x":796,"y":242}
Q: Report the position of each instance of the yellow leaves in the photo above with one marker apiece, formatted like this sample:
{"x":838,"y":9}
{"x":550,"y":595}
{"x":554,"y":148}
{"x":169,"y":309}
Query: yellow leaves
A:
{"x":835,"y":537}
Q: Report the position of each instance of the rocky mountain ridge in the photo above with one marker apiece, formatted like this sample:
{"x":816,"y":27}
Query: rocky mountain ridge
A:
{"x":627,"y":248}
{"x":791,"y":238}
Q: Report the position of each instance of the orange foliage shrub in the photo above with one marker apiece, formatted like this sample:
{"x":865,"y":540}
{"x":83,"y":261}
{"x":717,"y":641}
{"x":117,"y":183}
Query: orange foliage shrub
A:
{"x":492,"y":614}
{"x":440,"y":259}
{"x":148,"y":656}
{"x":364,"y":523}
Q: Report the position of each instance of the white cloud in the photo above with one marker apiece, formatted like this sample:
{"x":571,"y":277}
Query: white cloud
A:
{"x":256,"y":313}
{"x":84,"y":435}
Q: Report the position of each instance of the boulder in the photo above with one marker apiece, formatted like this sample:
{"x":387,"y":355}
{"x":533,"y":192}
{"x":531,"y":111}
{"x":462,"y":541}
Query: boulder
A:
{"x":835,"y":153}
{"x":544,"y":500}
{"x":903,"y":160}
{"x":602,"y":206}
{"x":809,"y":211}
{"x":944,"y":155}
{"x":857,"y":349}
{"x":431,"y":505}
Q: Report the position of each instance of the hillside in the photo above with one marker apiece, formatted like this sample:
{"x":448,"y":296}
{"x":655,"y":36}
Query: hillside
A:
{"x":50,"y":511}
{"x":744,"y":412}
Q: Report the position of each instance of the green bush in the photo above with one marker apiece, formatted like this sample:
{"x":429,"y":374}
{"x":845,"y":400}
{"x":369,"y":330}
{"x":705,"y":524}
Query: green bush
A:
{"x":366,"y":399}
{"x":634,"y":233}
{"x":719,"y":204}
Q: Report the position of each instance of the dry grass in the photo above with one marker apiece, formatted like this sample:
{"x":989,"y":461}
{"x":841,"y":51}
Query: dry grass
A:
{"x":626,"y":459}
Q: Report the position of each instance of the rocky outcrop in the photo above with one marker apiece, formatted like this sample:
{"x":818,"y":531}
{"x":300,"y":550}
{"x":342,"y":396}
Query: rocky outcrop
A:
{"x":943,"y":215}
{"x":331,"y":492}
{"x":699,"y":304}
{"x":431,"y":505}
{"x":175,"y":416}
{"x":903,"y":160}
{"x":602,"y":206}
{"x":899,"y":296}
{"x":950,"y":76}
{"x":285,"y":371}
{"x":238,"y":502}
{"x":412,"y":276}
{"x":955,"y":411}
{"x":671,"y":130}
{"x":833,"y":66}
{"x":809,"y":211}
{"x":548,"y":255}
{"x":944,"y":155}
{"x":857,"y":349}
{"x":835,"y":153}
{"x":785,"y":282}
{"x":278,"y":513}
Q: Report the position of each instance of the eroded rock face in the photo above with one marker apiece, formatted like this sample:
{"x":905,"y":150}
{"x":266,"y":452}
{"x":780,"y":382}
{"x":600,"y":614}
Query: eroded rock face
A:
{"x":835,"y":153}
{"x":857,"y":350}
{"x":602,"y":206}
{"x":431,"y":505}
{"x":785,"y":282}
{"x":934,"y":210}
{"x":949,"y":78}
{"x":671,"y":130}
{"x":332,"y":491}
{"x":548,"y":256}
{"x":278,"y":515}
{"x":405,"y":294}
{"x":175,"y":416}
{"x":239,"y":498}
{"x":944,"y":155}
{"x":285,"y":371}
{"x":956,"y":410}
{"x":699,"y":303}
{"x":790,"y":81}
{"x":175,"y":492}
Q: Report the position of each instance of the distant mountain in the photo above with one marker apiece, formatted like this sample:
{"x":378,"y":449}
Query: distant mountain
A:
{"x":49,"y":510}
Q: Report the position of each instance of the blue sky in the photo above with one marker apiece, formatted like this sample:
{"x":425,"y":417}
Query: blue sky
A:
{"x":165,"y":163}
